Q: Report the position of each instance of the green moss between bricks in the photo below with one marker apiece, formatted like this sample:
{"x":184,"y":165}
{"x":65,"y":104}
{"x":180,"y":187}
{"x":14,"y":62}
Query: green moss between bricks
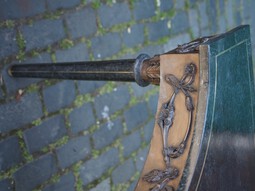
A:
{"x":95,"y":153}
{"x":58,"y":143}
{"x":133,"y":101}
{"x":115,"y":115}
{"x":125,"y":129}
{"x":132,"y":4}
{"x":120,"y":187}
{"x":66,"y":43}
{"x":88,"y":42}
{"x":9,"y":173}
{"x":53,"y":15}
{"x":91,"y":57}
{"x":49,"y":49}
{"x":93,"y":128}
{"x":100,"y":179}
{"x":66,"y":111}
{"x":45,"y":149}
{"x":19,"y":134}
{"x":20,"y":41}
{"x":163,"y":15}
{"x":48,"y":82}
{"x":32,"y":88}
{"x":54,"y":179}
{"x":170,"y":14}
{"x":162,"y":40}
{"x":76,"y":167}
{"x":27,"y":156}
{"x":96,"y":4}
{"x":146,"y":36}
{"x":83,"y":2}
{"x":122,"y":26}
{"x":157,"y":2}
{"x":100,"y":29}
{"x":78,"y":182}
{"x":30,"y":22}
{"x":186,"y":5}
{"x":118,"y":145}
{"x":143,"y":145}
{"x":134,"y":155}
{"x":110,"y":2}
{"x":135,"y":177}
{"x":192,"y":36}
{"x":68,"y":123}
{"x":125,"y":186}
{"x":53,"y":57}
{"x":37,"y":122}
{"x":107,"y":88}
{"x":7,"y":24}
{"x":130,"y":89}
{"x":22,"y":45}
{"x":82,"y":99}
{"x":34,"y":53}
{"x":125,"y":50}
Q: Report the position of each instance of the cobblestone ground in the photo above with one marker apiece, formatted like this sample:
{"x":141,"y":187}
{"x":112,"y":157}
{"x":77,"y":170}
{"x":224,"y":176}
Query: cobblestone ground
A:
{"x":75,"y":135}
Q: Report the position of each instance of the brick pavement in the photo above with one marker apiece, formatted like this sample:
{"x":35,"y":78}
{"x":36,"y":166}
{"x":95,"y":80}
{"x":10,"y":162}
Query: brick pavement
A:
{"x":75,"y":135}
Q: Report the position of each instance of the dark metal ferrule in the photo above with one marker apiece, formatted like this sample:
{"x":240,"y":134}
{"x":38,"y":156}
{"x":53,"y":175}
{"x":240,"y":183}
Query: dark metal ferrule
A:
{"x":138,"y":70}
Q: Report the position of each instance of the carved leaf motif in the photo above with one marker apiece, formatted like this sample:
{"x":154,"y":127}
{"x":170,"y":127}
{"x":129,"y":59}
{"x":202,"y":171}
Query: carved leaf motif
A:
{"x":174,"y":152}
{"x":190,"y":69}
{"x":156,"y":175}
{"x":166,"y":116}
{"x":173,"y":80}
{"x":190,"y":89}
{"x":189,"y":103}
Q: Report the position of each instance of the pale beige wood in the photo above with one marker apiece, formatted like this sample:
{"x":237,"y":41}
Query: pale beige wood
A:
{"x":171,"y":64}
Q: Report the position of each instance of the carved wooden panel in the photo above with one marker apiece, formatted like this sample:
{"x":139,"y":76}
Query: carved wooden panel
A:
{"x":178,"y":99}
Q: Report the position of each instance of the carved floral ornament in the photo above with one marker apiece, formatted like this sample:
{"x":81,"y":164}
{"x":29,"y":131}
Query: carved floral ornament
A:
{"x":161,"y":178}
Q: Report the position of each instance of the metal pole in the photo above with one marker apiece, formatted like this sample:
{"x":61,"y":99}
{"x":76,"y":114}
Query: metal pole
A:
{"x":121,"y":70}
{"x":128,"y":70}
